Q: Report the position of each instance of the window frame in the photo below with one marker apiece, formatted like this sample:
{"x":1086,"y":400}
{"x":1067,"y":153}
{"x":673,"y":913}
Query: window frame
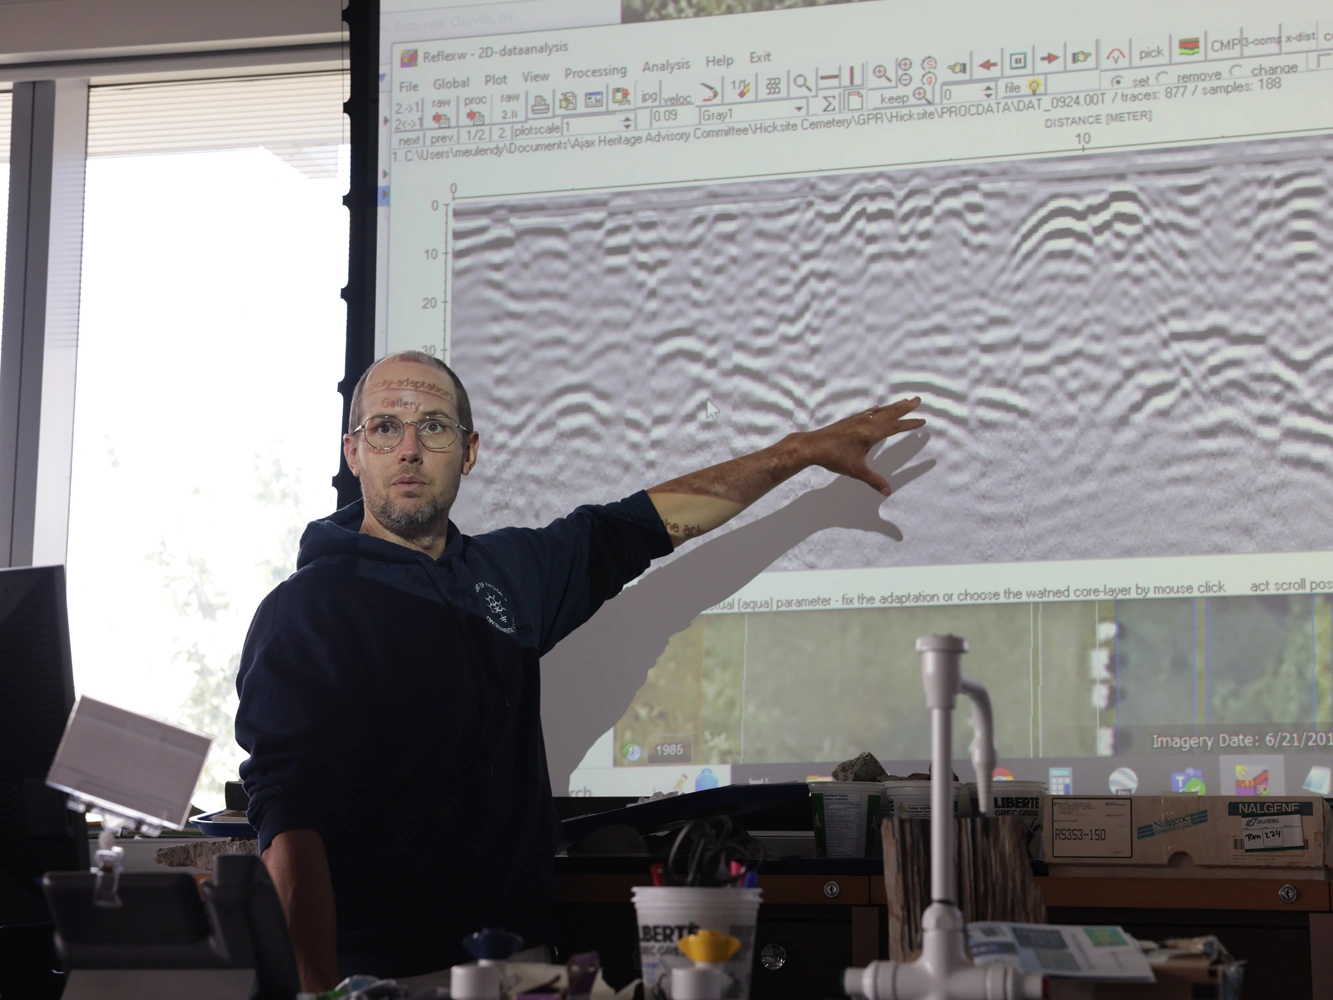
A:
{"x":43,"y":239}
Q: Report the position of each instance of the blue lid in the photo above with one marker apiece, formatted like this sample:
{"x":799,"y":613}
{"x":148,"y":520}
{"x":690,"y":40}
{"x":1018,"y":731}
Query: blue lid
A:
{"x":493,"y":944}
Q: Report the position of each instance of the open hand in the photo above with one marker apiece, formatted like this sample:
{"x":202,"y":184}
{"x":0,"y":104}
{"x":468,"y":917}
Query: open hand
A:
{"x":843,"y":447}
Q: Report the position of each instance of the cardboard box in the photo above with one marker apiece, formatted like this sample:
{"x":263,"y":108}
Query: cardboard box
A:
{"x":1185,"y":977}
{"x":1175,"y":836}
{"x":1189,"y":969}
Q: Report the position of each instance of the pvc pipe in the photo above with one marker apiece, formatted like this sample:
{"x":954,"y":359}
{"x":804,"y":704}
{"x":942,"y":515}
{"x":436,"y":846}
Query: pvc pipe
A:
{"x":944,"y":971}
{"x":943,"y":878}
{"x":983,"y":739}
{"x":905,"y":980}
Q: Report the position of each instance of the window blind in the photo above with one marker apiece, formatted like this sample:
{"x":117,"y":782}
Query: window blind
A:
{"x":6,"y":100}
{"x":298,"y":118}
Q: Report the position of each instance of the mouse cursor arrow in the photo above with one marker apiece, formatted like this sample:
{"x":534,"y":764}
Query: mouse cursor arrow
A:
{"x":710,"y":411}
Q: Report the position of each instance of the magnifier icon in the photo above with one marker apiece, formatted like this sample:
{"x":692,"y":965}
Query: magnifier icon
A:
{"x":799,"y":80}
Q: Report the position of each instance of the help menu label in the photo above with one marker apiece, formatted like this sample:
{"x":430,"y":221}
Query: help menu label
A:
{"x":1092,"y":827}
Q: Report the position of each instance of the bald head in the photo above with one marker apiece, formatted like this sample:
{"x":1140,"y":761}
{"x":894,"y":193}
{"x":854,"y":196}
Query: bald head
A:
{"x":452,"y":389}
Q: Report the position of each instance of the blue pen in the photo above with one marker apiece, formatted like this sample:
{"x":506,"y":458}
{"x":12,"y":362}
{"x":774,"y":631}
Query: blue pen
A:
{"x":751,"y":881}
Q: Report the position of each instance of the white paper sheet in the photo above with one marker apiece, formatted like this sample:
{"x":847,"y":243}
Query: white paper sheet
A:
{"x":1095,"y":953}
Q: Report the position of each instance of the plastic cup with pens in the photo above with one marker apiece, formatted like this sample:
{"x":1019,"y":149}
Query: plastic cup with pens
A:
{"x":708,"y":883}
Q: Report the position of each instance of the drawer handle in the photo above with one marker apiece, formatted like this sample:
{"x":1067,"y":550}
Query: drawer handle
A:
{"x":773,"y":957}
{"x":1288,"y":893}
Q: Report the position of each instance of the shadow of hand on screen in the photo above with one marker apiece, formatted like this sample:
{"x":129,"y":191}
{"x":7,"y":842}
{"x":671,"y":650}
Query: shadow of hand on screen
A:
{"x":590,"y":678}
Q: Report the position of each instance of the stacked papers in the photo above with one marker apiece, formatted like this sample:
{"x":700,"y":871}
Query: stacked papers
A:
{"x":1106,"y":954}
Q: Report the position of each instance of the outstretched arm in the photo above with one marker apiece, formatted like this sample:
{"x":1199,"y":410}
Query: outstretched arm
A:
{"x":701,"y":501}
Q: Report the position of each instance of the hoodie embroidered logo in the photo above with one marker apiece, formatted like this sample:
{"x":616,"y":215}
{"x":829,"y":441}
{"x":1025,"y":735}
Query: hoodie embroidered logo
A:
{"x":496,"y":606}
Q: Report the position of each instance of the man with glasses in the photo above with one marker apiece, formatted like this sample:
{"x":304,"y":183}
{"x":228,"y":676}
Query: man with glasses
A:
{"x":389,"y":690}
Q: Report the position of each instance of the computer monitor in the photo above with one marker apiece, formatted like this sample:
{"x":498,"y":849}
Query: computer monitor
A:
{"x":37,"y":832}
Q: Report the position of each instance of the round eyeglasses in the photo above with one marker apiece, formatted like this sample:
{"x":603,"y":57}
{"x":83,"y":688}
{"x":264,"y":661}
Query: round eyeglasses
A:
{"x":385,"y":433}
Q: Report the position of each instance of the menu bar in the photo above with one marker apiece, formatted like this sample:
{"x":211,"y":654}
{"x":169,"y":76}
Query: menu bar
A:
{"x":459,"y":94}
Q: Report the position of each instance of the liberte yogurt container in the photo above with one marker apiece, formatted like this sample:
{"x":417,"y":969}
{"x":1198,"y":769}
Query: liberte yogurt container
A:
{"x":911,"y":799}
{"x":1016,"y":798}
{"x":668,"y":913}
{"x":846,"y":818}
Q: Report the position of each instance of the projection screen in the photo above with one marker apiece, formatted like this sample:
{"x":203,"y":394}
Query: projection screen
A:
{"x":654,"y":235}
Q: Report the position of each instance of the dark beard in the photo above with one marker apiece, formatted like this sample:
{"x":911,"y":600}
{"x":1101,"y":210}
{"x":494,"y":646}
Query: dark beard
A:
{"x":428,"y":520}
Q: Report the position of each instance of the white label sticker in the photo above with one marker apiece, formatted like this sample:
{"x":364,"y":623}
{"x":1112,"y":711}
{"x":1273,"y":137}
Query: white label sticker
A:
{"x":1272,"y":833}
{"x":1091,"y":828}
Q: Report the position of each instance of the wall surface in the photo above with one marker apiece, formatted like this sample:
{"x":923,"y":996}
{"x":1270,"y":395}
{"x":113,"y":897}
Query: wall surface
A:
{"x":40,"y":30}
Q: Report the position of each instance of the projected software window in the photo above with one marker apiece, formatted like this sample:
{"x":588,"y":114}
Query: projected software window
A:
{"x":1097,"y":248}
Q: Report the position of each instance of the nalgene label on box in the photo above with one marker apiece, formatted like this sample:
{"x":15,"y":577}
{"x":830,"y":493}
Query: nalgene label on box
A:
{"x":1272,"y":833}
{"x":1091,"y":828}
{"x":1268,"y":825}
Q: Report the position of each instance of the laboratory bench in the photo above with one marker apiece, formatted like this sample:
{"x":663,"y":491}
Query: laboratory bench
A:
{"x":821,"y":916}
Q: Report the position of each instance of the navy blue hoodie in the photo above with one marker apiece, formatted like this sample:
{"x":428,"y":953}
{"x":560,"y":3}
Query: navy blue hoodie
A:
{"x":391,"y":703}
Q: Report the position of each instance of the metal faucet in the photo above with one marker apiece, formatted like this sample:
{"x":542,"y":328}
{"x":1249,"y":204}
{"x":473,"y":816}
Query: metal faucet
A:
{"x":944,"y":971}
